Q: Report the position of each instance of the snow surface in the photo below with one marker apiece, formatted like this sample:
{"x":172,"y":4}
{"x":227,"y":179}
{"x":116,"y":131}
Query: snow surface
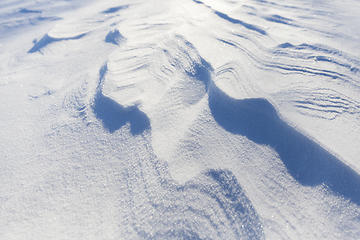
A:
{"x":180,"y":119}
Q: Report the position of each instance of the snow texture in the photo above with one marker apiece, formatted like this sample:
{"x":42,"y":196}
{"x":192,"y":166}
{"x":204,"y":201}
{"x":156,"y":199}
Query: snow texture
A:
{"x":179,"y":119}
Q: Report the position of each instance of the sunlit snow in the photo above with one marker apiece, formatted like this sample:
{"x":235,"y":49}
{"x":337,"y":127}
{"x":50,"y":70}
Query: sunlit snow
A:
{"x":180,"y":119}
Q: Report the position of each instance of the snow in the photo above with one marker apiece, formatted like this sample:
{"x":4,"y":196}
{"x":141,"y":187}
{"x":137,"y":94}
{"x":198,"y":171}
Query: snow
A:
{"x":179,"y":119}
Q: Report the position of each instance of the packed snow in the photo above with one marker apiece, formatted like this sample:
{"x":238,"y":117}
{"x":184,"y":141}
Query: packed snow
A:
{"x":180,"y":119}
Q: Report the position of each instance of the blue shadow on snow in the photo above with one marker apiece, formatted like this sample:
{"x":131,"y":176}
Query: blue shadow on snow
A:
{"x":46,"y":40}
{"x":113,"y":115}
{"x":115,"y":9}
{"x":306,"y":161}
{"x":256,"y":118}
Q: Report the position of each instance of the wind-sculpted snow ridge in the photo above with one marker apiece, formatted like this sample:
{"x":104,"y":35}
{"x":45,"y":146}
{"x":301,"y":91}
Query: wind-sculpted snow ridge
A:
{"x":255,"y":118}
{"x":212,"y":206}
{"x":164,"y":75}
{"x":258,"y":120}
{"x":288,"y":58}
{"x":334,"y":65}
{"x":305,"y":160}
{"x":146,"y":69}
{"x":179,"y":119}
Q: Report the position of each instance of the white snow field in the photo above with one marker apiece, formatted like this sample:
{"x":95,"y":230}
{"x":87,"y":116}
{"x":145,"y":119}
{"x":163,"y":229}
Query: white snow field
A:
{"x":179,"y":119}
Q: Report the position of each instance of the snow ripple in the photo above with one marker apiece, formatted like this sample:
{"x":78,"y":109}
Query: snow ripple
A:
{"x":178,"y":66}
{"x":322,"y":103}
{"x":211,"y":206}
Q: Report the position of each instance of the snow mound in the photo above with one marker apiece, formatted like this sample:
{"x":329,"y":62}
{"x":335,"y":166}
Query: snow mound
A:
{"x":114,"y":37}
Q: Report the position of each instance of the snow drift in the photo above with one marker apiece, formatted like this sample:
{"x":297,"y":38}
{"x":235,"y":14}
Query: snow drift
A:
{"x":179,"y":119}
